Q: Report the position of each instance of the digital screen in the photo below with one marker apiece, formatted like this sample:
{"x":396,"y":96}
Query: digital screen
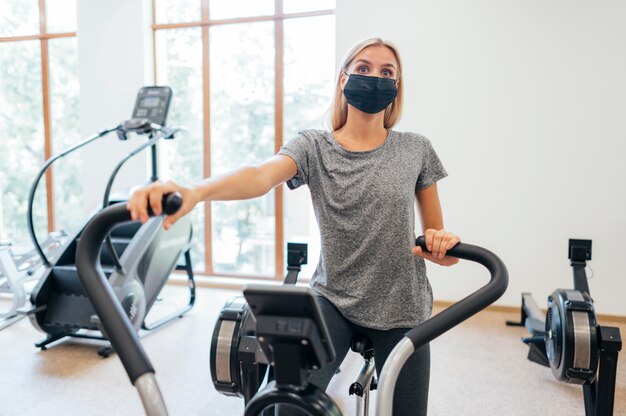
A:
{"x":150,"y":102}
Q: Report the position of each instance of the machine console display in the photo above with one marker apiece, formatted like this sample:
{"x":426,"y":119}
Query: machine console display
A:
{"x":153,"y":103}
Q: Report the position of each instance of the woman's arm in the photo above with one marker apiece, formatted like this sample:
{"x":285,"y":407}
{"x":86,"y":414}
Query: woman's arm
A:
{"x":247,"y":182}
{"x":243,"y":183}
{"x":438,"y":240}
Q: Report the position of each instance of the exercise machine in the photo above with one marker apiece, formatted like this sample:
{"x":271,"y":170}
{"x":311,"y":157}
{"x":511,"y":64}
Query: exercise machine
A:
{"x":137,"y":259}
{"x":291,"y":333}
{"x":570,"y":340}
{"x":238,"y":365}
{"x":17,"y":267}
{"x":296,"y":341}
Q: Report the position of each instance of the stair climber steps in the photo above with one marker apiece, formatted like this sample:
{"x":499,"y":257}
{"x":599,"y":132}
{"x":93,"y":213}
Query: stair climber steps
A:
{"x":69,"y":311}
{"x":69,"y":308}
{"x":65,"y":279}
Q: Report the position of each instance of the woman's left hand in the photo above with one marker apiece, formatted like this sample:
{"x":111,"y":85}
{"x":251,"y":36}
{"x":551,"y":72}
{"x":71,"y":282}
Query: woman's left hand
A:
{"x":438,"y":243}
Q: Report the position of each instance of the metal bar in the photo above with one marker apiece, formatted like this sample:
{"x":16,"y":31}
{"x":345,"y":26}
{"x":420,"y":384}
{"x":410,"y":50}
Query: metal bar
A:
{"x":191,"y":284}
{"x":611,"y":344}
{"x":387,"y":382}
{"x":580,"y":277}
{"x":33,"y":189}
{"x":150,"y":394}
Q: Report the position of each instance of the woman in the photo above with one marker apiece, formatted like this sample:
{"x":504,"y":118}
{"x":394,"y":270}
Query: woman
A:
{"x":364,"y":179}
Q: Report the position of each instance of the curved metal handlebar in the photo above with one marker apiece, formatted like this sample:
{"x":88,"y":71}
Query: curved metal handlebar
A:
{"x":470,"y":305}
{"x":116,"y":324}
{"x":33,"y":189}
{"x":162,"y":133}
{"x":443,"y":321}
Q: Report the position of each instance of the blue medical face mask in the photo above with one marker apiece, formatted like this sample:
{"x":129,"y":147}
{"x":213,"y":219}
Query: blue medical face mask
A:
{"x":370,"y":94}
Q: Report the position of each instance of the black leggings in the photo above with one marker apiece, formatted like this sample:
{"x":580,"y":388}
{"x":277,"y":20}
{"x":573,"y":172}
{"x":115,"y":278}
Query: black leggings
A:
{"x":411,"y":393}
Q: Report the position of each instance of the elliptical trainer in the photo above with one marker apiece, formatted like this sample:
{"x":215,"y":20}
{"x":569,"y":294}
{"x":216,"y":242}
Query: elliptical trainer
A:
{"x":302,"y":334}
{"x":137,"y":259}
{"x":238,"y":366}
{"x":571,"y":341}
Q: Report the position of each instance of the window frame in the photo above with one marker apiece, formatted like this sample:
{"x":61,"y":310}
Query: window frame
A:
{"x":278,"y":17}
{"x":44,"y":37}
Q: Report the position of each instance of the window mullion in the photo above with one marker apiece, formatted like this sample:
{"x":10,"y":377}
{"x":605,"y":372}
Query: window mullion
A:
{"x":278,"y":140}
{"x":206,"y":81}
{"x":45,"y":80}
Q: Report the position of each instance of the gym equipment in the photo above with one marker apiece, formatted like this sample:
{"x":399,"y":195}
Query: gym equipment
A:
{"x":289,"y":330}
{"x":238,"y":365}
{"x":291,"y":333}
{"x":137,"y":259}
{"x":17,"y":267}
{"x":571,"y":341}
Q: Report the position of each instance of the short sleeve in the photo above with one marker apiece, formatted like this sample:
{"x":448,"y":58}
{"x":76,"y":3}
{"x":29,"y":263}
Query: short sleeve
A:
{"x":432,"y":168}
{"x":298,"y":149}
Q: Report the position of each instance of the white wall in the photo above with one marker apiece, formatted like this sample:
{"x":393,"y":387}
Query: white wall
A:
{"x":114,"y":49}
{"x":523,"y":100}
{"x":524,"y":103}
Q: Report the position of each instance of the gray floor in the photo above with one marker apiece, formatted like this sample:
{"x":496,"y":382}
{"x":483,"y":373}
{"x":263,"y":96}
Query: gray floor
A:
{"x":478,"y":368}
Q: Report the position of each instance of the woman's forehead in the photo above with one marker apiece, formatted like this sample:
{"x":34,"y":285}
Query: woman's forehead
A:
{"x":378,"y":54}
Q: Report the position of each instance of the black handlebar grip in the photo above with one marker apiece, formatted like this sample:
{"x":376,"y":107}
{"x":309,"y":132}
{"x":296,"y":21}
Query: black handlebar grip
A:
{"x":475,"y":302}
{"x":421,"y":241}
{"x":170,"y":203}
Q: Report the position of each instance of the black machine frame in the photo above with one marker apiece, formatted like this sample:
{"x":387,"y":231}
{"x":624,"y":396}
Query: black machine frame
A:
{"x":552,"y":341}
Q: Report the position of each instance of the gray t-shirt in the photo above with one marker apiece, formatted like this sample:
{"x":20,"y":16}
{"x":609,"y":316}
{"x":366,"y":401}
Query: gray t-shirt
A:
{"x":364,"y":204}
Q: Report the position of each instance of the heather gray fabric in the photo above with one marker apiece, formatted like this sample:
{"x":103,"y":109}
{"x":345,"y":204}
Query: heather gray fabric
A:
{"x":364,"y":203}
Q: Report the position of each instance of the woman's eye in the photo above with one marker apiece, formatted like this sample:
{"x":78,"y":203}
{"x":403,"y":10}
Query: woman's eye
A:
{"x":362,"y":69}
{"x":387,"y":73}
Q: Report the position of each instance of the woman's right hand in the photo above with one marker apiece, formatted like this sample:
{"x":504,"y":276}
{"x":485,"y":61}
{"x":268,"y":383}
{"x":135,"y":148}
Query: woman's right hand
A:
{"x":153,"y":194}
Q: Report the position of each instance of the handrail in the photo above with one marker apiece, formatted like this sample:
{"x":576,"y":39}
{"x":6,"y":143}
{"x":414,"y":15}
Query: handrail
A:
{"x":116,"y":324}
{"x":443,"y":321}
{"x":164,"y":134}
{"x":33,"y":189}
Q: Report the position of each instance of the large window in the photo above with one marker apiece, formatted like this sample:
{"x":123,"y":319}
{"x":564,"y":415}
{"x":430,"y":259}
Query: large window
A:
{"x":246,"y":75}
{"x":38,"y":114}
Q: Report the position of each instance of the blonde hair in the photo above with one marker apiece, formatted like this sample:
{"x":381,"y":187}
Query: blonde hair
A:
{"x":339,"y":106}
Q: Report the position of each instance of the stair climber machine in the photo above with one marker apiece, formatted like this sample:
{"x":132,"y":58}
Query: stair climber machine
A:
{"x":289,"y":330}
{"x":571,"y":341}
{"x":137,"y":259}
{"x":18,"y":266}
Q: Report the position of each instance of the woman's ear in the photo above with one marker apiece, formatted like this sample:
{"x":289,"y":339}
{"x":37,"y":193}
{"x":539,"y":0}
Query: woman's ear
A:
{"x":343,"y":80}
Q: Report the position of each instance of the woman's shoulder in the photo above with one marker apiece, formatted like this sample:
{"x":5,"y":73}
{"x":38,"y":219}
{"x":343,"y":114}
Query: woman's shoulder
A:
{"x":313,"y":134}
{"x":410,"y":137}
{"x":309,"y":138}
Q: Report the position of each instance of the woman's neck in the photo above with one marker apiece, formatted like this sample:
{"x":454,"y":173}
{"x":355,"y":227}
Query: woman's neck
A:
{"x":362,"y":131}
